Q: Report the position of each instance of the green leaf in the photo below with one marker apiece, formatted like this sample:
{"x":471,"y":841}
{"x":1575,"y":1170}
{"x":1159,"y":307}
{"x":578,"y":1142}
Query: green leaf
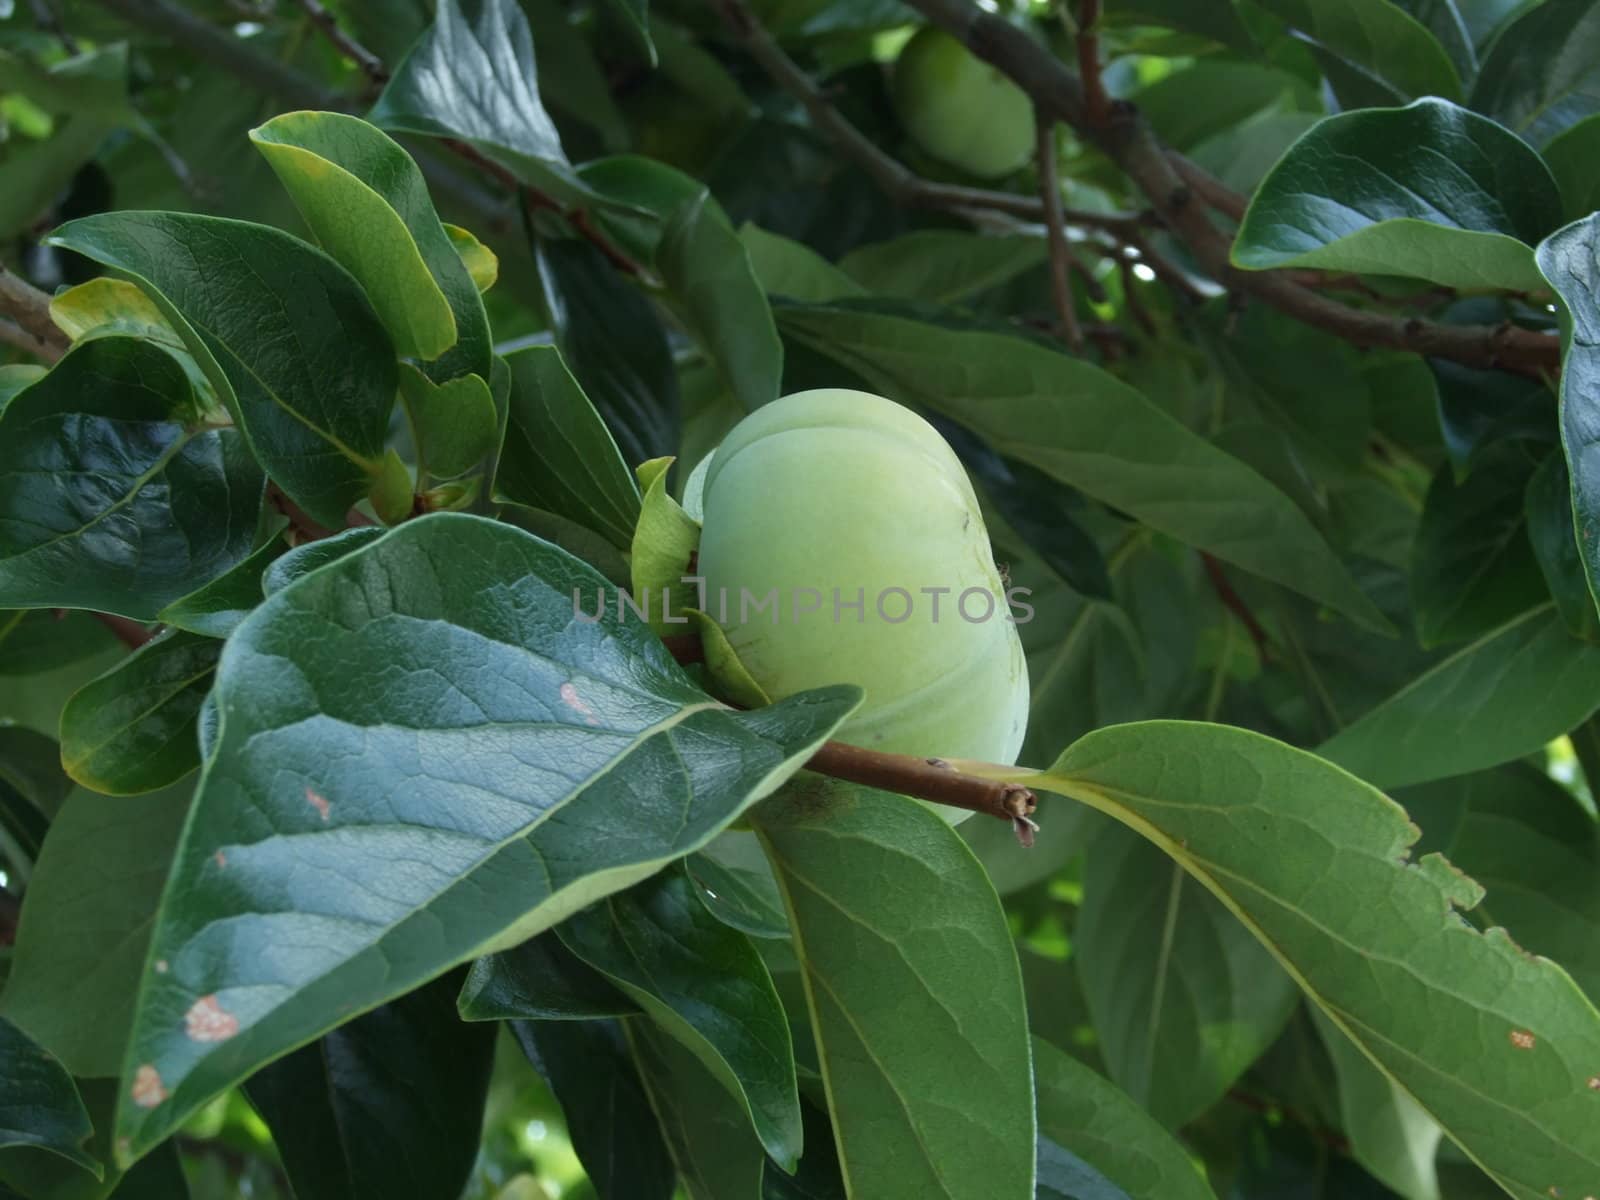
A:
{"x":612,"y":340}
{"x":705,"y":1128}
{"x":1570,"y":260}
{"x":389,"y":1105}
{"x":1478,"y":409}
{"x":1085,"y":428}
{"x":540,"y":980}
{"x":558,"y":454}
{"x":793,"y":269}
{"x":741,"y":894}
{"x":1541,"y":74}
{"x":1472,"y":565}
{"x":635,"y":15}
{"x":216,"y":609}
{"x":664,"y":541}
{"x":41,"y":1106}
{"x":351,"y":184}
{"x":939,"y":265}
{"x":1555,"y":545}
{"x":1171,"y":977}
{"x":86,"y":924}
{"x":38,"y":172}
{"x":107,"y":500}
{"x":914,"y":991}
{"x":1090,"y":1117}
{"x":1380,"y":40}
{"x":300,"y":357}
{"x":703,"y":984}
{"x":1534,"y":850}
{"x":1496,"y":699}
{"x":614,"y":1133}
{"x":38,"y":640}
{"x":482,"y":264}
{"x":32,"y":786}
{"x":134,"y":728}
{"x":475,"y":81}
{"x":341,"y":823}
{"x":455,"y":422}
{"x":1429,"y":191}
{"x":1571,"y":155}
{"x":705,"y":266}
{"x":1210,"y":98}
{"x":817,"y":1177}
{"x":1495,"y":1044}
{"x":1219,"y":22}
{"x":311,"y":556}
{"x":108,"y":307}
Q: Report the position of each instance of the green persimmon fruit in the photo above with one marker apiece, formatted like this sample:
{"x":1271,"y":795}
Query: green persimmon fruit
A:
{"x":960,"y":109}
{"x":842,"y":543}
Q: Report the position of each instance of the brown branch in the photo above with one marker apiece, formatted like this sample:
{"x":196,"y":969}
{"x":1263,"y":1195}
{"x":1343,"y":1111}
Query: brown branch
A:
{"x":1096,"y":104}
{"x":1172,"y":192}
{"x":306,"y":528}
{"x":1208,"y":187}
{"x":928,"y":779}
{"x":1060,"y":252}
{"x":29,"y":310}
{"x":1234,"y":603}
{"x":130,"y":633}
{"x":371,"y":65}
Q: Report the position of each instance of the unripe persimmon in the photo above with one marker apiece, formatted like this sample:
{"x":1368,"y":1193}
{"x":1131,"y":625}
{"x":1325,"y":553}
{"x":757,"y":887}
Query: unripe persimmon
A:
{"x":959,"y":109}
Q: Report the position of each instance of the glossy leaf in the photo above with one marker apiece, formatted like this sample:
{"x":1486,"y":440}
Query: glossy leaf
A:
{"x":134,"y":728}
{"x":817,"y":1177}
{"x":1171,"y":977}
{"x":107,"y":500}
{"x":455,"y":422}
{"x":1570,"y":260}
{"x":1430,"y":191}
{"x":1478,"y":409}
{"x":216,"y":609}
{"x":1472,"y":564}
{"x":311,"y":556}
{"x":1570,"y":155}
{"x":474,"y":79}
{"x":355,"y":188}
{"x":32,"y":786}
{"x":301,"y":358}
{"x":903,"y":945}
{"x":41,"y":1107}
{"x":793,"y":270}
{"x":558,"y":454}
{"x":704,"y":985}
{"x":540,"y":980}
{"x":1081,"y":426}
{"x":107,"y":307}
{"x":1539,"y":75}
{"x":1379,"y":39}
{"x":390,"y":1104}
{"x":708,"y":271}
{"x":663,"y":546}
{"x":86,"y":924}
{"x":37,"y":640}
{"x":1496,"y":699}
{"x":941,"y":265}
{"x":1082,"y":1112}
{"x":613,"y":342}
{"x":594,"y":763}
{"x":1555,"y":545}
{"x":1496,"y":1044}
{"x":482,"y":264}
{"x":743,"y":895}
{"x":589,"y":1067}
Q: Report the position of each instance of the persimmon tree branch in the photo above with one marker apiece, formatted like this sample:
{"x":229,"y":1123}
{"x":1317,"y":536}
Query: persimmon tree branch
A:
{"x":369,"y":63}
{"x":1182,"y":195}
{"x":1061,"y":261}
{"x":29,"y":327}
{"x":1096,"y":102}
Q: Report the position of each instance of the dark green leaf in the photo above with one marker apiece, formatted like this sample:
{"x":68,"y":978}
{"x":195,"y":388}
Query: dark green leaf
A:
{"x":1065,"y":1176}
{"x":558,"y":455}
{"x":40,"y":1107}
{"x":940,"y":265}
{"x":588,"y":1066}
{"x":340,"y":823}
{"x":1219,"y":22}
{"x":32,"y":787}
{"x":300,"y":356}
{"x":1478,"y":409}
{"x":107,"y":500}
{"x":1496,"y":1044}
{"x":367,"y":203}
{"x":475,"y":80}
{"x":1380,"y":40}
{"x":216,"y":609}
{"x":32,"y":642}
{"x":1089,"y":1116}
{"x":1571,"y":155}
{"x":1085,"y":428}
{"x":1209,"y":98}
{"x":304,"y":559}
{"x":1555,"y":545}
{"x":1430,"y":191}
{"x":788,"y":268}
{"x":86,"y":924}
{"x":614,"y":343}
{"x":914,"y":990}
{"x":1171,"y":976}
{"x":455,"y":422}
{"x":134,"y":728}
{"x":743,"y":895}
{"x":1496,"y":699}
{"x":704,"y":984}
{"x":540,"y":980}
{"x":817,"y":1177}
{"x":1570,"y":260}
{"x":1472,"y":565}
{"x":1542,"y":72}
{"x":388,"y":1105}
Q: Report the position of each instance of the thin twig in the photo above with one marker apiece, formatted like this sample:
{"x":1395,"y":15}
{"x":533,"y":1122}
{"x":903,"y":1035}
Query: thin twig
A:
{"x":371,"y":65}
{"x":29,"y":309}
{"x":1096,"y":104}
{"x":1234,"y":603}
{"x":1208,"y":187}
{"x":928,"y":779}
{"x":1060,"y":252}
